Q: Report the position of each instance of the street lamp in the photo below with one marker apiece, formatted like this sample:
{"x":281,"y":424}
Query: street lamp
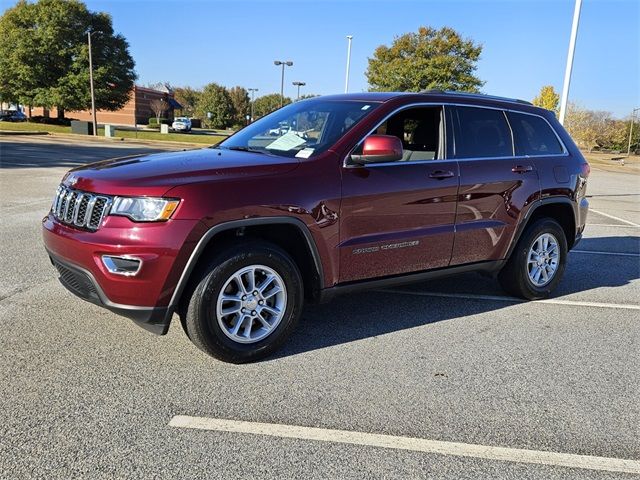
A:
{"x":346,"y":81}
{"x":93,"y":97}
{"x":567,"y":72}
{"x":298,"y":84}
{"x":252,"y":90}
{"x":277,"y":63}
{"x":633,"y":117}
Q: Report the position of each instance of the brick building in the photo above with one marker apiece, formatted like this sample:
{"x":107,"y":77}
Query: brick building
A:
{"x":136,"y":111}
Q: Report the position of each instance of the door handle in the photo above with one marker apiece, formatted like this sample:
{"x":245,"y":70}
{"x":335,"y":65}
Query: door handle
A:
{"x":440,"y":174}
{"x":522,"y":169}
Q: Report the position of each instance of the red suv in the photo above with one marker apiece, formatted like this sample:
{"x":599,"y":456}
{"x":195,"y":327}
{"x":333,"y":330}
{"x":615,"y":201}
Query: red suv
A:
{"x":371,"y":189}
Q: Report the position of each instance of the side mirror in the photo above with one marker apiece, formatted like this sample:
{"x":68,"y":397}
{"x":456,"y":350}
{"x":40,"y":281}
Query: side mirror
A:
{"x":379,"y":148}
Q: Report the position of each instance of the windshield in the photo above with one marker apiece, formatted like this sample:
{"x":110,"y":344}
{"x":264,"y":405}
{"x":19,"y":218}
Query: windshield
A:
{"x":182,"y":119}
{"x":302,"y":129}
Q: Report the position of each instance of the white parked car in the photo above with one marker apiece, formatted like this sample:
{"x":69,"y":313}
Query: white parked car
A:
{"x":181,"y":124}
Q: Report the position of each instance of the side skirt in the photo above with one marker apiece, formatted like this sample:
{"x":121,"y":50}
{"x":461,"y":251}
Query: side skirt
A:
{"x":490,"y":267}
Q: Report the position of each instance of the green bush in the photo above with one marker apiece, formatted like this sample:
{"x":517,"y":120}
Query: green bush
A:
{"x":153,"y":122}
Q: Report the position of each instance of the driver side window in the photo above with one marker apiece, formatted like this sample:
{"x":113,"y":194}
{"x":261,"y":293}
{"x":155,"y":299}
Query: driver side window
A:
{"x":421,"y":131}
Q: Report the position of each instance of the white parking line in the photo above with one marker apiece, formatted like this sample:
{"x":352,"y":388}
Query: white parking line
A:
{"x":598,"y":252}
{"x":552,"y":301}
{"x":609,"y":225}
{"x":487,"y":452}
{"x":614,"y":218}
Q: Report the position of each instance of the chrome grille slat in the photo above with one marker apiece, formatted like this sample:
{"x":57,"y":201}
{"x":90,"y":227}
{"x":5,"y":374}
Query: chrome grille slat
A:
{"x":76,"y":208}
{"x":80,"y":209}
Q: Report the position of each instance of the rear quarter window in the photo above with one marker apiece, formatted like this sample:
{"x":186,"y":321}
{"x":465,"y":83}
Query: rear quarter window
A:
{"x":482,"y":132}
{"x":533,"y":135}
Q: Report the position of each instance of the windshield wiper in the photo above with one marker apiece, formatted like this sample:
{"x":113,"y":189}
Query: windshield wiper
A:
{"x":239,"y":148}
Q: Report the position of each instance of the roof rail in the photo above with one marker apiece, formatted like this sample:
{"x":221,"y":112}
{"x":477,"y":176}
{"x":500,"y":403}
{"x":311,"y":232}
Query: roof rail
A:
{"x":476,"y":95}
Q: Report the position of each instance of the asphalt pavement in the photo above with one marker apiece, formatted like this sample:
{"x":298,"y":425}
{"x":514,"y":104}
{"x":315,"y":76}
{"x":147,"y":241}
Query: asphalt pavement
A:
{"x":87,"y":394}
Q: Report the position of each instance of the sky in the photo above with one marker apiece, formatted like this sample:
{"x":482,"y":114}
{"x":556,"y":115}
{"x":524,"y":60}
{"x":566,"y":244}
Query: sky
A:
{"x":525,"y":43}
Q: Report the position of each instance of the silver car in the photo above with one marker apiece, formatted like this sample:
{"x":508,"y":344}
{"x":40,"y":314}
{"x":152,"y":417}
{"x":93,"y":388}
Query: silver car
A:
{"x":181,"y":124}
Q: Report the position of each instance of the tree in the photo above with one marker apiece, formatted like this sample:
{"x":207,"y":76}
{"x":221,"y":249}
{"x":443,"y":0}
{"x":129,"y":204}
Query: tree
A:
{"x":215,"y":107}
{"x":587,"y":127}
{"x":268,"y":103}
{"x":428,"y":59}
{"x":241,"y":104}
{"x":44,"y":57}
{"x":187,"y":97}
{"x":158,"y":106}
{"x":547,"y":98}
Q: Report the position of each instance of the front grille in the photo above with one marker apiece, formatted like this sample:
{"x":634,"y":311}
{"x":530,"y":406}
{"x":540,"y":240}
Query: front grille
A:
{"x":77,"y":282}
{"x":80,"y":209}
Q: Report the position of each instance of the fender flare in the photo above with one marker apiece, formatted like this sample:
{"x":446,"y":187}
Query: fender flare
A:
{"x":534,"y":206}
{"x":231,"y":225}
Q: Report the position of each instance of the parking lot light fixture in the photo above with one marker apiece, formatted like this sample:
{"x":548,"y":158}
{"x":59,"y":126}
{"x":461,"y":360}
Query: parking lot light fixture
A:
{"x":93,"y":96}
{"x":282,"y":63}
{"x":252,"y":90}
{"x":633,"y":117}
{"x":298,"y":84}
{"x":346,"y":81}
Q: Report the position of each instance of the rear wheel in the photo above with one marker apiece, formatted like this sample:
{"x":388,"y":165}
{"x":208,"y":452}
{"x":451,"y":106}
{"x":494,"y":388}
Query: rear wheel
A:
{"x":538,"y":261}
{"x":247,"y":303}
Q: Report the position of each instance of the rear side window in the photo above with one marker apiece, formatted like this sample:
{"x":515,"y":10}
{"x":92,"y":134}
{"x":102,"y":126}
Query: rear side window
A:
{"x":533,"y":135}
{"x":482,"y":132}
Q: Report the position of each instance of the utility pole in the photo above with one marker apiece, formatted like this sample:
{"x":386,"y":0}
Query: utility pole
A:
{"x":298,"y":84}
{"x":93,"y":97}
{"x":567,"y":72}
{"x":346,"y":81}
{"x":252,"y":90}
{"x":633,"y":117}
{"x":283,"y":63}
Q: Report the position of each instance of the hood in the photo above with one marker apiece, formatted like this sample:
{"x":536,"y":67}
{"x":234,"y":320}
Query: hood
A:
{"x":157,"y":173}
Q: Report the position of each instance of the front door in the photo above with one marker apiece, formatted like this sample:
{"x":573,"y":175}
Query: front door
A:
{"x":398,"y":217}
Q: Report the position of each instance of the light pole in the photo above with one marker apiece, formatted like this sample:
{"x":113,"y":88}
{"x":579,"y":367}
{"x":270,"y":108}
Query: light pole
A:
{"x":346,"y":81}
{"x":633,"y":117}
{"x":567,"y":72}
{"x":252,"y":90}
{"x":298,"y":84}
{"x":288,"y":63}
{"x":93,"y":97}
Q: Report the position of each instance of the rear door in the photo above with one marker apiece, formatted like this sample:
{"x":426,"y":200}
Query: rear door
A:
{"x":495,"y":184}
{"x":398,"y":217}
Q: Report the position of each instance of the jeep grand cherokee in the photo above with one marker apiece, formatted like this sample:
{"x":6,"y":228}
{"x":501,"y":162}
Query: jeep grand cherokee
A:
{"x":370,"y":189}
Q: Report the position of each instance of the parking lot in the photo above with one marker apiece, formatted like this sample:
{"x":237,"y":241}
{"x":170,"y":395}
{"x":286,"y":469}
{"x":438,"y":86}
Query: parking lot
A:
{"x":449,"y":379}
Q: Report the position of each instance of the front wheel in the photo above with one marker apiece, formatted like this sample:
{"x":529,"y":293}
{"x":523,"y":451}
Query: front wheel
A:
{"x":247,"y":303}
{"x":538,"y":261}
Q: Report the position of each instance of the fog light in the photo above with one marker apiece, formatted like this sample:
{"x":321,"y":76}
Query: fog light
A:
{"x":123,"y":265}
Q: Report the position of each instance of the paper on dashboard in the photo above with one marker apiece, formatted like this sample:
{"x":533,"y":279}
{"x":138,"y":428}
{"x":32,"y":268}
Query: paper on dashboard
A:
{"x":286,"y":142}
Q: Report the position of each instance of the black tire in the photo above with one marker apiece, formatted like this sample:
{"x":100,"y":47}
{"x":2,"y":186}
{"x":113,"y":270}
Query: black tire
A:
{"x":514,"y":277}
{"x":201,"y":320}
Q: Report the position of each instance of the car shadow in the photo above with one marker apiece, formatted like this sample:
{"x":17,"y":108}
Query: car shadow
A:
{"x":369,"y":314}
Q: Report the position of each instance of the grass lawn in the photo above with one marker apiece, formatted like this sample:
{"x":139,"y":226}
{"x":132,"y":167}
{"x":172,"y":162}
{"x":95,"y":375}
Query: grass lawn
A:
{"x":142,"y":135}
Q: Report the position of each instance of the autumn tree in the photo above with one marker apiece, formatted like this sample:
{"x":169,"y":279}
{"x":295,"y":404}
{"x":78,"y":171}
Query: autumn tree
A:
{"x":268,"y":103}
{"x":428,"y":59}
{"x":214,"y":106}
{"x":187,"y":97}
{"x":547,"y":98}
{"x":241,"y":104}
{"x":44,"y":57}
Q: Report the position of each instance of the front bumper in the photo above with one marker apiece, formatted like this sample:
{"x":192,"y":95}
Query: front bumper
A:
{"x":81,"y":283}
{"x":145,"y":297}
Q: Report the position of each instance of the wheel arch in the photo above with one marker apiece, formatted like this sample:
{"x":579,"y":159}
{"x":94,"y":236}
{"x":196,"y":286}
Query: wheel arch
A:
{"x":287,"y":232}
{"x":560,"y":209}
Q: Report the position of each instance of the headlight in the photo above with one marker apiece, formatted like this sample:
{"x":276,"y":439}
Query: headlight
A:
{"x":144,"y":209}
